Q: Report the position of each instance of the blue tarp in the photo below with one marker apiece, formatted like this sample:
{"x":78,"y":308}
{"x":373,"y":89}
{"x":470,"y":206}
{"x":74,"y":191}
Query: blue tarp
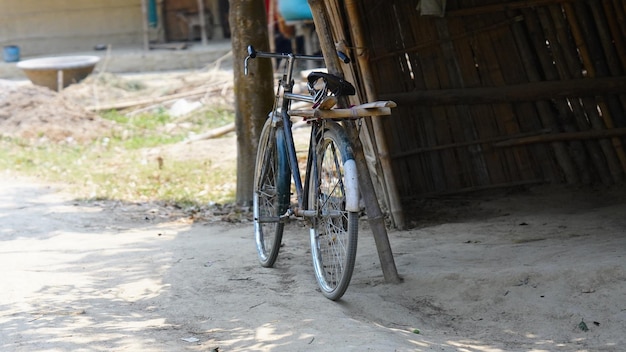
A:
{"x":295,"y":10}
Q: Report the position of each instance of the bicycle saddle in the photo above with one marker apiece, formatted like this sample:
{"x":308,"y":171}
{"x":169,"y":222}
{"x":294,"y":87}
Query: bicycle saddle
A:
{"x":337,"y":85}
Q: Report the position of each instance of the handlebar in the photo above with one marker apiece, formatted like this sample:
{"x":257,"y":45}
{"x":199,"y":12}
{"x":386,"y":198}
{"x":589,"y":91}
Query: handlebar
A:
{"x":252,"y":54}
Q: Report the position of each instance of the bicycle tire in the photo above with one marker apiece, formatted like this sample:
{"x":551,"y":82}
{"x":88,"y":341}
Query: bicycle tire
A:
{"x":334,"y":231}
{"x":271,"y":193}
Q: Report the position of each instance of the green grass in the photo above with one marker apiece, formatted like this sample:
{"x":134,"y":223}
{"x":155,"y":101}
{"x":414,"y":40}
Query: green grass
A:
{"x":116,"y":166}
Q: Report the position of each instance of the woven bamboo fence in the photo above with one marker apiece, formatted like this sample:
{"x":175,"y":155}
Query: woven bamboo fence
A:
{"x":496,"y":93}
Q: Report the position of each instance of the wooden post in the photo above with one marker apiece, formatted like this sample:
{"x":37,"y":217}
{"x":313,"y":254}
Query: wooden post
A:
{"x":144,"y":21}
{"x":374,"y":213}
{"x":202,"y":22}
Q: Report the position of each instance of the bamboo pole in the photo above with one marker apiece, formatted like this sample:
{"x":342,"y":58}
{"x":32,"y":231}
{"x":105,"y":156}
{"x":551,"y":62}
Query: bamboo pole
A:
{"x":382,"y":148}
{"x":465,"y":190}
{"x":537,"y":39}
{"x":611,"y":107}
{"x":587,"y":107}
{"x":544,"y":110}
{"x":480,"y":174}
{"x":428,"y":43}
{"x":375,"y":216}
{"x":572,"y":107}
{"x":481,"y":10}
{"x":565,"y":136}
{"x":612,"y":148}
{"x":532,"y":91}
{"x":586,"y":110}
{"x":488,"y":140}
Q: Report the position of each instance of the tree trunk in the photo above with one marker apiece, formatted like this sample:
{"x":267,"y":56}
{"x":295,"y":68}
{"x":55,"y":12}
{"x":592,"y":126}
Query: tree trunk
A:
{"x":254,"y":92}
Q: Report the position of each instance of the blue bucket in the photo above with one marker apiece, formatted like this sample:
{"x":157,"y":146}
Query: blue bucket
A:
{"x":295,"y":10}
{"x":11,"y":53}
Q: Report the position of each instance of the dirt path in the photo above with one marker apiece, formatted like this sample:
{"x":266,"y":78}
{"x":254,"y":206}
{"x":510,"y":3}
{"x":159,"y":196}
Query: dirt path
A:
{"x":521,"y":274}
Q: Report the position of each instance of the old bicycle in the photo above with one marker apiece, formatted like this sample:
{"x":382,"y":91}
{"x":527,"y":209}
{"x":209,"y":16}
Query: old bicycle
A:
{"x":328,"y":199}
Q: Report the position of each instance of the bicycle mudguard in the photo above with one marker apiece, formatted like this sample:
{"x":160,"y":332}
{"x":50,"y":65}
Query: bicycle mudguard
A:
{"x":352,"y":186}
{"x":337,"y":85}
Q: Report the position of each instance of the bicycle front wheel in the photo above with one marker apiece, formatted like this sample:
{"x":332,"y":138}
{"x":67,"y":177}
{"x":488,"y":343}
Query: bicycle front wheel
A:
{"x":271,"y":193}
{"x":333,"y":193}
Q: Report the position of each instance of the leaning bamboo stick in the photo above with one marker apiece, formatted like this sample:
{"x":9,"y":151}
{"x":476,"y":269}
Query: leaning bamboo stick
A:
{"x":613,"y":45}
{"x":618,"y":37}
{"x":385,"y":254}
{"x":590,"y":52}
{"x":382,"y":149}
{"x":572,"y":107}
{"x":575,"y":151}
{"x":545,"y":112}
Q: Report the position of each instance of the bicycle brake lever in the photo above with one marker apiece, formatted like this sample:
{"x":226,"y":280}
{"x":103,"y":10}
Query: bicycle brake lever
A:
{"x":245,"y":66}
{"x":251,"y":55}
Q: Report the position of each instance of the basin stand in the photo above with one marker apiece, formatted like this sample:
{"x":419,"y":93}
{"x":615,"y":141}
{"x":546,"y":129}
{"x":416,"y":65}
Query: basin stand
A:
{"x":59,"y":80}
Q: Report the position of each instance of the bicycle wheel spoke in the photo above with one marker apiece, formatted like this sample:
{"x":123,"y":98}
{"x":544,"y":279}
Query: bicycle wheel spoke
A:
{"x":270,"y":189}
{"x":334,"y":231}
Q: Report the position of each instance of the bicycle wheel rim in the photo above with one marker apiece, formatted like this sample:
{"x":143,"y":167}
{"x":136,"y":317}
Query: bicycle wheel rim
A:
{"x":333,"y":233}
{"x":271,"y":194}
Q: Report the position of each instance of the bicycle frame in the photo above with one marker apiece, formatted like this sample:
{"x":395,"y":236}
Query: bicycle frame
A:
{"x":283,"y":121}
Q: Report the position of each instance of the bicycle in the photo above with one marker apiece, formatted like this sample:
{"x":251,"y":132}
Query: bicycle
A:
{"x":328,"y":199}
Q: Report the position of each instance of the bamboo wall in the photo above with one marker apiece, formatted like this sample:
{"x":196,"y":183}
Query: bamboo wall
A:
{"x":500,"y":93}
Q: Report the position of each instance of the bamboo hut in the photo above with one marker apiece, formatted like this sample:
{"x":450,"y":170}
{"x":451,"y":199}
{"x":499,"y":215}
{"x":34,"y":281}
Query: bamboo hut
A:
{"x":491,"y":93}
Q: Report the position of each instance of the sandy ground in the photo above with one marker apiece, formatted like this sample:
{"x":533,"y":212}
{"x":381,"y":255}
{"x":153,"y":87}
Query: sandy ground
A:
{"x":516,"y":272}
{"x":536,"y":270}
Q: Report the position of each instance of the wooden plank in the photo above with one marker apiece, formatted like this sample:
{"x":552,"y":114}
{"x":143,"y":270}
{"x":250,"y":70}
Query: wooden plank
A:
{"x":377,"y":104}
{"x":350,"y":113}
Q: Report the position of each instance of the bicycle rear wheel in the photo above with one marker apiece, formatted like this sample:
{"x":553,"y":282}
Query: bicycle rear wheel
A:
{"x":271,"y":193}
{"x":333,"y":193}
